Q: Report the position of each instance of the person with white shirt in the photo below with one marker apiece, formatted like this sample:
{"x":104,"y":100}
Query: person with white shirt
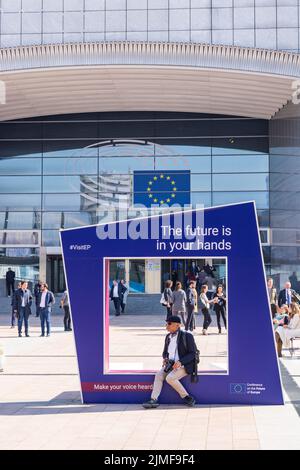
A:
{"x":45,"y":301}
{"x":117,"y":292}
{"x":22,"y":302}
{"x":179,"y":357}
{"x":286,"y":295}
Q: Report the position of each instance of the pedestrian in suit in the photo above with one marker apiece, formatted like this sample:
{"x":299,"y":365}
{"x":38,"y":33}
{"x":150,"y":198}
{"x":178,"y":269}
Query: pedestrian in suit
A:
{"x":116,"y":295}
{"x":10,"y":281}
{"x":45,"y":301}
{"x":286,"y":295}
{"x":13,"y":300}
{"x":22,"y":307}
{"x":178,"y":361}
{"x":190,"y":306}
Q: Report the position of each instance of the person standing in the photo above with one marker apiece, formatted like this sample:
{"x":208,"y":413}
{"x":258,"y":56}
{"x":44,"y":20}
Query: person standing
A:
{"x":286,"y":295}
{"x":116,"y":295}
{"x":220,"y":307}
{"x":179,"y":301}
{"x":272,"y":296}
{"x":124,"y":295}
{"x":22,"y":307}
{"x":190,"y":306}
{"x":167,"y":295}
{"x":64,"y":303}
{"x":45,"y":301}
{"x":13,"y":300}
{"x":10,"y":281}
{"x":205,"y":304}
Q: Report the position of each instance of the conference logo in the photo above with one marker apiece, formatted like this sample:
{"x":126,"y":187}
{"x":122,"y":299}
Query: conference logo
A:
{"x":238,"y":388}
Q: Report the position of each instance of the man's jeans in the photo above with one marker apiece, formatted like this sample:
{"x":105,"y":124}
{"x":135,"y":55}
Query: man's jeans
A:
{"x":172,"y":378}
{"x":23,"y":315}
{"x":45,"y":317}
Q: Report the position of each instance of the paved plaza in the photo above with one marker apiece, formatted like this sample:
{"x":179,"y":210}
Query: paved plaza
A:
{"x":136,"y":342}
{"x":40,"y":405}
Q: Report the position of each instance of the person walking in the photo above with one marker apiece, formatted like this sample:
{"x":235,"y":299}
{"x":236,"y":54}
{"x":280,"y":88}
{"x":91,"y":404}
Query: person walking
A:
{"x":219,"y":307}
{"x":179,"y":302}
{"x":45,"y":301}
{"x":10,"y":281}
{"x":205,"y":305}
{"x":13,"y":300}
{"x":116,"y":295}
{"x":22,"y":307}
{"x":190,"y":306}
{"x":168,"y":297}
{"x":64,"y":303}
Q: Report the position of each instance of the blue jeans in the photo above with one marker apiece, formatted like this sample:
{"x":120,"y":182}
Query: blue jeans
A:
{"x":45,"y":316}
{"x":23,"y":315}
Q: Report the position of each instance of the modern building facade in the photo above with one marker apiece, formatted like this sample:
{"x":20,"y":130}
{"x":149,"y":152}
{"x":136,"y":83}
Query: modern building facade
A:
{"x":93,"y":91}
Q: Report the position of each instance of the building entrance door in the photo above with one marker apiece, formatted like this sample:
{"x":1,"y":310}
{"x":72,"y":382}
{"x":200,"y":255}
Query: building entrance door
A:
{"x":55,"y":273}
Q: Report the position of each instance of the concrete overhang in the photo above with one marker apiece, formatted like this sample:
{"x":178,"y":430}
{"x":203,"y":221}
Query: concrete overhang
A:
{"x":125,"y":76}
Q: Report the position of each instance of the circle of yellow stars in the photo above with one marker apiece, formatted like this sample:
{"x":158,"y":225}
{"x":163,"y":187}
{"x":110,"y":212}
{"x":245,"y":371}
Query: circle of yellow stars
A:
{"x":150,"y":189}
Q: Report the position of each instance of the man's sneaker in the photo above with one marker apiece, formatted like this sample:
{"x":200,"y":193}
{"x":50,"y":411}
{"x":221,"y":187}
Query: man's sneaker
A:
{"x":189,"y":401}
{"x":151,"y":404}
{"x":204,"y":332}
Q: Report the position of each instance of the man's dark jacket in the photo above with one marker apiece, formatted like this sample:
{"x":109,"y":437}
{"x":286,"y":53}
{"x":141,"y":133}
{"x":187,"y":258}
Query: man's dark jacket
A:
{"x":121,"y":290}
{"x":17,"y":300}
{"x":186,"y":350}
{"x":10,"y":276}
{"x":282,"y":299}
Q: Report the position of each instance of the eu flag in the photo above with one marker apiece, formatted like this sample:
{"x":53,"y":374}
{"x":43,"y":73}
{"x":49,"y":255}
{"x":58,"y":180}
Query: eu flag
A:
{"x":161,"y":187}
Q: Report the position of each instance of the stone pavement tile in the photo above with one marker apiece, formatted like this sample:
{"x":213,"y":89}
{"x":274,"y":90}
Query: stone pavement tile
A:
{"x":133,"y":447}
{"x":219,"y":445}
{"x":56,"y":443}
{"x":281,"y":443}
{"x":84,"y":444}
{"x":246,"y":444}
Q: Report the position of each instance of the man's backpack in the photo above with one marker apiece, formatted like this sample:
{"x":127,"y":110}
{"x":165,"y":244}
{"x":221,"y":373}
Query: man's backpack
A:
{"x":194,"y":375}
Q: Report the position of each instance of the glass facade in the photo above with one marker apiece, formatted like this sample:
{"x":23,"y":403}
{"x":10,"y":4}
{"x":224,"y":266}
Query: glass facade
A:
{"x":64,"y":171}
{"x":285,"y":194}
{"x":270,"y":24}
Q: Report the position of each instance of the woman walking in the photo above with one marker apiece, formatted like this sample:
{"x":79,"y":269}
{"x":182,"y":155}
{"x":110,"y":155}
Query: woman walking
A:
{"x":219,"y":307}
{"x":191,"y":295}
{"x":205,"y":304}
{"x":179,"y":301}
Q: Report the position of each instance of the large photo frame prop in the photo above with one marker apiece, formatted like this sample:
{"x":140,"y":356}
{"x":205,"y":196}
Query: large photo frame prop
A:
{"x":253,"y":373}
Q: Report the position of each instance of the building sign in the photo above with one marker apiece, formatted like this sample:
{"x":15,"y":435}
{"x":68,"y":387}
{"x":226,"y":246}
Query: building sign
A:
{"x":229,"y":232}
{"x":152,"y":265}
